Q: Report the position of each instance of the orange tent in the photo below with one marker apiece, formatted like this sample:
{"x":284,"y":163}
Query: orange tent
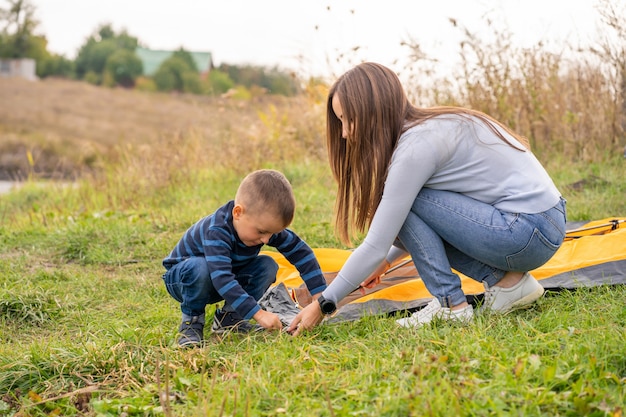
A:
{"x":592,"y":254}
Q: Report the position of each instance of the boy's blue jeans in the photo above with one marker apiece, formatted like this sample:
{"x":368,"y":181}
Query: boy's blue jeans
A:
{"x":189,"y":282}
{"x":447,"y":230}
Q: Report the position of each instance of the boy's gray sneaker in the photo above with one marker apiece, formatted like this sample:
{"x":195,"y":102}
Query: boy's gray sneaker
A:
{"x":230,"y":321}
{"x":521,"y":295}
{"x":191,"y":332}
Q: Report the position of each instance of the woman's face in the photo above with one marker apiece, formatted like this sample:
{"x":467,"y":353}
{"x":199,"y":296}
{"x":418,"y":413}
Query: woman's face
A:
{"x":339,"y":113}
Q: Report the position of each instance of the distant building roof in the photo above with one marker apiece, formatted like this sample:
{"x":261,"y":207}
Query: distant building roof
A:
{"x":152,"y":59}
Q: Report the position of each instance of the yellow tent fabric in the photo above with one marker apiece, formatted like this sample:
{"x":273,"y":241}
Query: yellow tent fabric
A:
{"x":592,"y":254}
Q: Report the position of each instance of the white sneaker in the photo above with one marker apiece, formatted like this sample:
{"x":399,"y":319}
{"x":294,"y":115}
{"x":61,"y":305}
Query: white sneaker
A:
{"x":521,"y":295}
{"x":434,"y":310}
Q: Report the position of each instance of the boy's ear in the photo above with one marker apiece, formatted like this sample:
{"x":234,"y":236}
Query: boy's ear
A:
{"x":237,"y":211}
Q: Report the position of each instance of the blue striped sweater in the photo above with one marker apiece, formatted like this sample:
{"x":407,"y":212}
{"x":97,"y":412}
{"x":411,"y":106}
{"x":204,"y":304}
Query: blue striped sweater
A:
{"x":214,"y":238}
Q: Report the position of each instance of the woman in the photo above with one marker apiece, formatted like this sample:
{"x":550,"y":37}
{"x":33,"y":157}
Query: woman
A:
{"x":451,"y":186}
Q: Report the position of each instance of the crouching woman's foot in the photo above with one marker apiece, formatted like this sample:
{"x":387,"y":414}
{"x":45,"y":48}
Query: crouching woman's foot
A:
{"x":463,"y":313}
{"x":502,"y":299}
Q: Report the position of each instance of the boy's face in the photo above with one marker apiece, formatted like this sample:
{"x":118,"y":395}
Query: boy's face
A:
{"x":255,"y":229}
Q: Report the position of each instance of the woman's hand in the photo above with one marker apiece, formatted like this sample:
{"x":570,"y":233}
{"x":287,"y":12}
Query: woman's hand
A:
{"x":374,"y":279}
{"x":307,"y":319}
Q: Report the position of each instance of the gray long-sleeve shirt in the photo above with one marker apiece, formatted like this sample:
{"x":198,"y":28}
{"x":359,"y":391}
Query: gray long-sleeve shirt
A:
{"x":453,"y":153}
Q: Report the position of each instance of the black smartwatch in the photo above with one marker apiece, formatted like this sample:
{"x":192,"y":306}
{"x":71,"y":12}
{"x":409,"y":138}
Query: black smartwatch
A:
{"x":327,"y":306}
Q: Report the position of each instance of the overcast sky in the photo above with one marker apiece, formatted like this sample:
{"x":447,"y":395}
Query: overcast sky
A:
{"x":304,"y":34}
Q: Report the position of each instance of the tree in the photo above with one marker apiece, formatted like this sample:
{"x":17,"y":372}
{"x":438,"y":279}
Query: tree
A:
{"x":186,"y":56}
{"x":92,"y":57}
{"x":169,"y":76}
{"x":178,"y":73}
{"x":17,"y":39}
{"x":124,"y":66}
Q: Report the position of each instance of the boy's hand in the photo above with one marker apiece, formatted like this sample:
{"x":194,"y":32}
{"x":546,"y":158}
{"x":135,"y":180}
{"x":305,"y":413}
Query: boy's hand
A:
{"x":268,"y":320}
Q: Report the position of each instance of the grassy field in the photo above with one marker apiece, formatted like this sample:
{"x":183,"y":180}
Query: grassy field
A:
{"x":87,"y":328}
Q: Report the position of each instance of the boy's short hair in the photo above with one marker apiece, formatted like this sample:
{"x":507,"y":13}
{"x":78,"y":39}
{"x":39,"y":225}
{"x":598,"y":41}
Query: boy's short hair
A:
{"x":267,"y":190}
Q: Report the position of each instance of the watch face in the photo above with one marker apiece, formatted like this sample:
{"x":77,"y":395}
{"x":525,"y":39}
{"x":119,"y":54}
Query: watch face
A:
{"x":327,"y":306}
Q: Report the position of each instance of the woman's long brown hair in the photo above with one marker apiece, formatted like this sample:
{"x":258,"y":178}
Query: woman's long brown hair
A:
{"x":377,"y":112}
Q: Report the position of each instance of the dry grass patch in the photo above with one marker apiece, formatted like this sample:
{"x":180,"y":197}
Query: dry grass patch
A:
{"x":62,"y":129}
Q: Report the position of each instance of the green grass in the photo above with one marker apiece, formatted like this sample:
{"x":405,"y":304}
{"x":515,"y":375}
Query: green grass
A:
{"x":87,"y":328}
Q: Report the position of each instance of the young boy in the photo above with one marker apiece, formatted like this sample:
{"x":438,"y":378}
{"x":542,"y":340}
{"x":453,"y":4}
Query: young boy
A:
{"x":218,"y":259}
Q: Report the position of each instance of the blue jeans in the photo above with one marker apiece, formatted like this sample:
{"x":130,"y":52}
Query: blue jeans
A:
{"x":447,"y":230}
{"x":189,"y":282}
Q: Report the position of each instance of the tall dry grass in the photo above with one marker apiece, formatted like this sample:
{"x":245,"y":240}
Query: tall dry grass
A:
{"x":72,"y":130}
{"x":569,"y":103}
{"x":561,"y":106}
{"x":267,"y":134}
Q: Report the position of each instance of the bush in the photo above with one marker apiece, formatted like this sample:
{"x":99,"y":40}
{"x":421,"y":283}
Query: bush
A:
{"x":92,"y":78}
{"x":55,"y":66}
{"x":218,"y":82}
{"x":273,"y":80}
{"x":192,"y":82}
{"x":145,"y":84}
{"x":174,"y":74}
